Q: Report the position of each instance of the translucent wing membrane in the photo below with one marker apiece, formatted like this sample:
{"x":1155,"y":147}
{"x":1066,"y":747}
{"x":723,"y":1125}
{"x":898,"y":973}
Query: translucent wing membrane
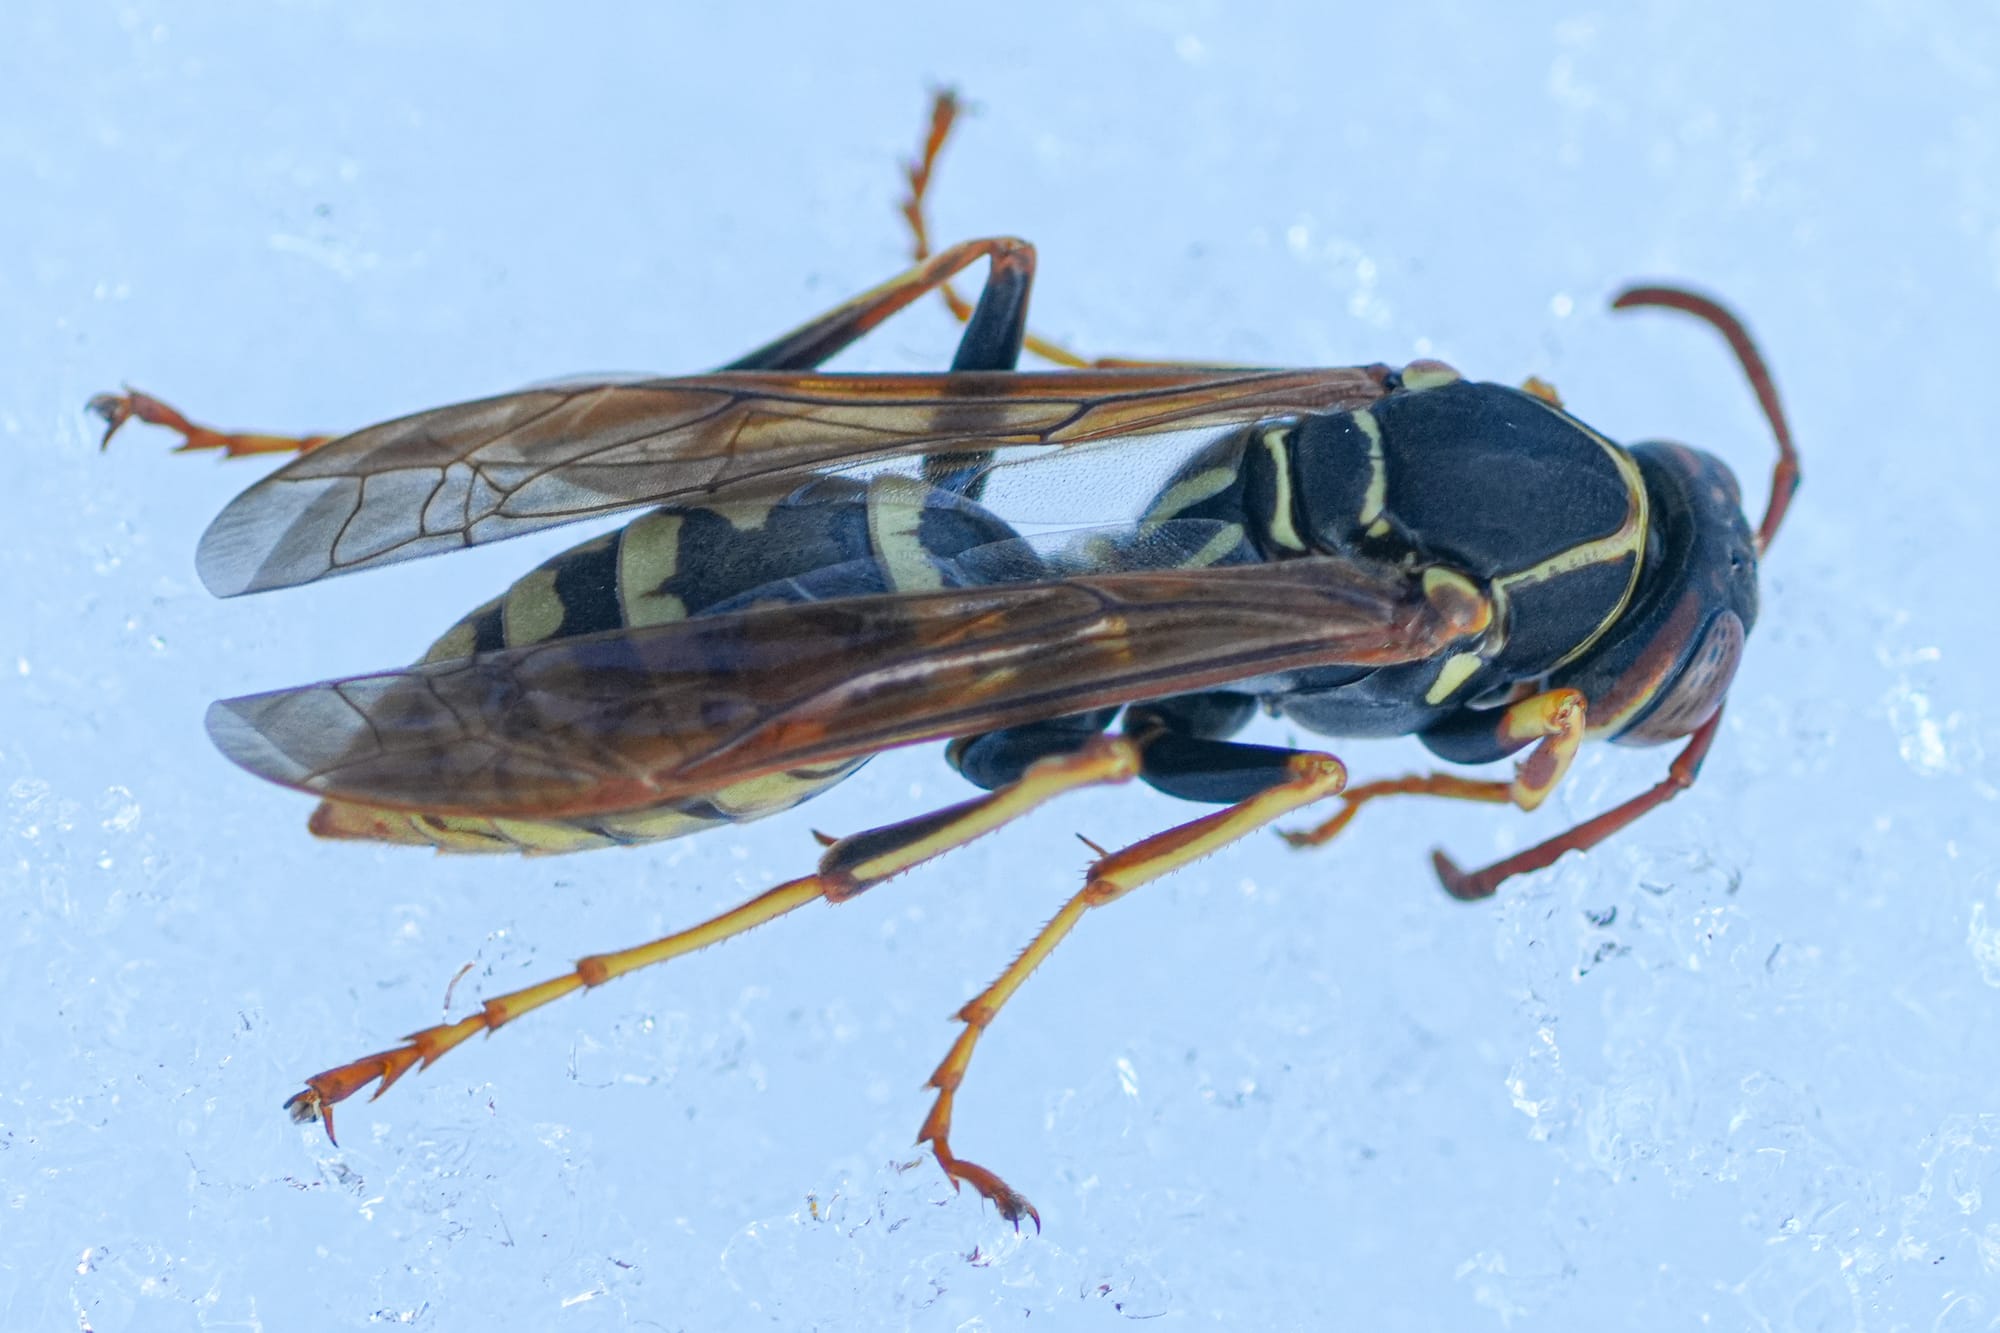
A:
{"x":484,"y":471}
{"x":627,"y":719}
{"x":1176,"y":544}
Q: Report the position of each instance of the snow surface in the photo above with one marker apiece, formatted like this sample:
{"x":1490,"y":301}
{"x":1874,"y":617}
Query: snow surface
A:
{"x":1735,"y":1070}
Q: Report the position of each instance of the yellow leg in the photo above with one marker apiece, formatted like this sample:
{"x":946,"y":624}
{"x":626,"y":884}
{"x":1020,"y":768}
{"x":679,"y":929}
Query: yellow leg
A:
{"x":1554,"y":719}
{"x":1314,"y":777}
{"x":119,"y":408}
{"x":849,"y":866}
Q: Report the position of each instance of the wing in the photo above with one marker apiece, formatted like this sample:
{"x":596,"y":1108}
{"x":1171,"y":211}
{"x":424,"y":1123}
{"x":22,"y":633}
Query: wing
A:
{"x":626,"y":719}
{"x":482,"y":471}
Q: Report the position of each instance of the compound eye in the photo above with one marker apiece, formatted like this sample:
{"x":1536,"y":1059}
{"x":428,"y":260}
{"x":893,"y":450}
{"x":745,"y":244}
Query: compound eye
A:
{"x":1696,"y":690}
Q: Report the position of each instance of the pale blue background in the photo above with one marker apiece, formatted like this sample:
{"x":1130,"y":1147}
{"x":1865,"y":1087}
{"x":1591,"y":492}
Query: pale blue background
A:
{"x":1277,"y":1091}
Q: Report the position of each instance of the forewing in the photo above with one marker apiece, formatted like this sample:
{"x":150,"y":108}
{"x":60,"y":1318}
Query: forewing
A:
{"x":479,"y":472}
{"x":627,"y":719}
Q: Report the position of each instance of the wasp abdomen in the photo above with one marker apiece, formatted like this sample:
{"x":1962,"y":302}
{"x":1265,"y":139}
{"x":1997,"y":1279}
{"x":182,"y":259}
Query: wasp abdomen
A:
{"x":834,"y":537}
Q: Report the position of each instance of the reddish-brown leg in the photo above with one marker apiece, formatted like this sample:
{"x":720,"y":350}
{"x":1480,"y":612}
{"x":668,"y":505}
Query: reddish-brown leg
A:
{"x":1482,"y":883}
{"x":119,"y":408}
{"x":1680,"y":776}
{"x":917,"y":173}
{"x":824,"y":335}
{"x":1447,"y":785}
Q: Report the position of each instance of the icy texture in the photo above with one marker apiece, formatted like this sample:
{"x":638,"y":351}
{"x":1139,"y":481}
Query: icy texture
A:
{"x":1737,"y":1070}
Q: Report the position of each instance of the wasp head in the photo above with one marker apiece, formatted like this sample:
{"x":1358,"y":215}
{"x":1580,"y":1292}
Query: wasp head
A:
{"x":1664,"y":665}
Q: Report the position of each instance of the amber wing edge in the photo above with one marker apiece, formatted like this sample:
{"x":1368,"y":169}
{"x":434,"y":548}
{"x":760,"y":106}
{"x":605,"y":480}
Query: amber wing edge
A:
{"x":472,"y":473}
{"x":628,"y":719}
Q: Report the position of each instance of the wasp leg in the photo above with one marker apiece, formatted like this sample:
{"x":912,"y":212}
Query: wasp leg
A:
{"x":119,"y":408}
{"x":1011,"y":271}
{"x":1555,"y":719}
{"x":1416,"y":784}
{"x":1184,"y":750}
{"x":1680,"y":776}
{"x":993,"y":759}
{"x":1181,"y":750}
{"x":1310,"y":777}
{"x":999,"y":323}
{"x":850,"y":865}
{"x":945,"y":110}
{"x":991,"y":341}
{"x":1213,"y":772}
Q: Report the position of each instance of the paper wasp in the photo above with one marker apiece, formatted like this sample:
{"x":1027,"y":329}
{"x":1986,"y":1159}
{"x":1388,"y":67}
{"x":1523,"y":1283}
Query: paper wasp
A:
{"x":1076,"y":576}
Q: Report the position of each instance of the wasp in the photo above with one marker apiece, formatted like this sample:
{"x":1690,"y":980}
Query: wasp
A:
{"x":1075,"y":577}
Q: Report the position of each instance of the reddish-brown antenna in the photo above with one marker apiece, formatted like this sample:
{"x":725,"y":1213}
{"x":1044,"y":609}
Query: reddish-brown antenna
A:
{"x":1785,"y":476}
